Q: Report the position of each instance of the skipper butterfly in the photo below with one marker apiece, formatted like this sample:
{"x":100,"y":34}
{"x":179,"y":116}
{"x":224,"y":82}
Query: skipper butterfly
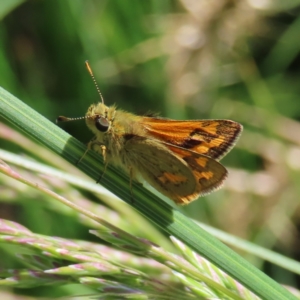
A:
{"x":178,"y":158}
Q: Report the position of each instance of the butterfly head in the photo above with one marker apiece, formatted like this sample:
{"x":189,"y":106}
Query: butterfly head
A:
{"x":99,"y":118}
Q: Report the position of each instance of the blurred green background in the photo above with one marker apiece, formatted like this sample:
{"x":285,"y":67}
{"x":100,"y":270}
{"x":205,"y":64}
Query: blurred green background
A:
{"x":188,"y":59}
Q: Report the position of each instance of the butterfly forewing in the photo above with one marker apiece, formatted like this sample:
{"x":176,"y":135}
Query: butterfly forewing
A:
{"x":213,"y":138}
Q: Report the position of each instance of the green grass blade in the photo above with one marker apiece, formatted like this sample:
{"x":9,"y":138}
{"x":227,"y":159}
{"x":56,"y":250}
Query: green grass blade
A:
{"x":162,"y":214}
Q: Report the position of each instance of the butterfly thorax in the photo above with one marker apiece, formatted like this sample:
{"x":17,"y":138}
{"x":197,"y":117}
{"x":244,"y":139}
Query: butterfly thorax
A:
{"x":112,"y":128}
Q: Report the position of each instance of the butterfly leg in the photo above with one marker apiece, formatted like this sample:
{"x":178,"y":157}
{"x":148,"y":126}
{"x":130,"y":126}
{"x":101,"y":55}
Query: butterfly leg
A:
{"x":89,"y":147}
{"x":103,"y":151}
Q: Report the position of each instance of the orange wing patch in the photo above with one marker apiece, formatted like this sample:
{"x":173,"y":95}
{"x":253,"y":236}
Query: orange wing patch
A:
{"x":213,"y":138}
{"x":209,"y":173}
{"x":174,"y":178}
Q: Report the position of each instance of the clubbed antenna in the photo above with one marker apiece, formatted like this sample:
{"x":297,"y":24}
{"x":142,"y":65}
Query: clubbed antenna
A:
{"x":66,"y":119}
{"x":93,"y":77}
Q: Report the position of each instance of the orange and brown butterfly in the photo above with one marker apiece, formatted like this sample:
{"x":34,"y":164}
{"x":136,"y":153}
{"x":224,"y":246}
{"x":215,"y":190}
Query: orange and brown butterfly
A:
{"x":178,"y":158}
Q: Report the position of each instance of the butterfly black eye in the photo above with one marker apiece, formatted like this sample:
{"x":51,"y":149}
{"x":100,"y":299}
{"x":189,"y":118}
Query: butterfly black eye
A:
{"x":102,"y":124}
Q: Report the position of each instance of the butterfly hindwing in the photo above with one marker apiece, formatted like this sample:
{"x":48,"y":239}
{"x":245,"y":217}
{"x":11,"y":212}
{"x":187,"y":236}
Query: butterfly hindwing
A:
{"x":180,"y":174}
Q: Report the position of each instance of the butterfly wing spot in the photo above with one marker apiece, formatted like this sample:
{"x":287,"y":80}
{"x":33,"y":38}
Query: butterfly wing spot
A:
{"x":206,"y":136}
{"x":176,"y":179}
{"x":201,"y":161}
{"x":205,"y":176}
{"x":190,"y":143}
